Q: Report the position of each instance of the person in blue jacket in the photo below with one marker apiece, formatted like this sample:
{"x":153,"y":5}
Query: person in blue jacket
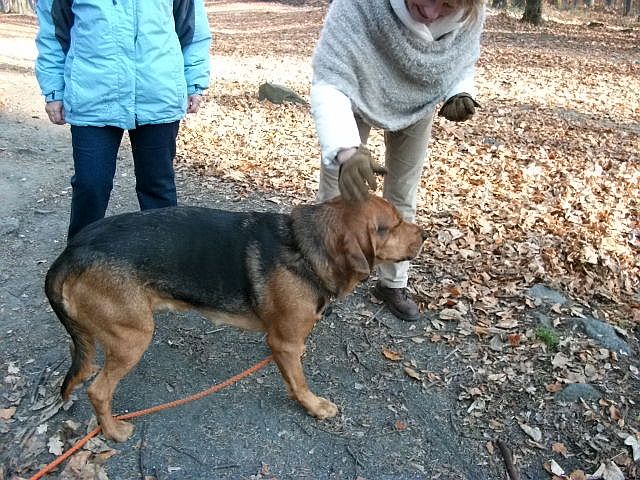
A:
{"x":109,"y":66}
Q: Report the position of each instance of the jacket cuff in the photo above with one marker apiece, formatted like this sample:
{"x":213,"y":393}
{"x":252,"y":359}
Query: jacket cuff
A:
{"x":195,"y":90}
{"x":54,"y":96}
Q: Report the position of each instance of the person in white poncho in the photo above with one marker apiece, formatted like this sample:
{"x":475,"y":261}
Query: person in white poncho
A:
{"x":388,"y":64}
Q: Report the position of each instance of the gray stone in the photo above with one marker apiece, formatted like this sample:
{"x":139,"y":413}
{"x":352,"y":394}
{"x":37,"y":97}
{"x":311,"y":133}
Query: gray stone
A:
{"x":8,"y":225}
{"x":605,"y":335}
{"x":546,"y":295}
{"x":575,"y":391}
{"x":278,"y":94}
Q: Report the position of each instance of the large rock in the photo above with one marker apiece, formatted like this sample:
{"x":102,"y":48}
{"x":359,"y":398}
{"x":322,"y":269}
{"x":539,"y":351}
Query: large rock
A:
{"x":546,"y":295}
{"x":575,"y":391}
{"x":278,"y":94}
{"x":605,"y":335}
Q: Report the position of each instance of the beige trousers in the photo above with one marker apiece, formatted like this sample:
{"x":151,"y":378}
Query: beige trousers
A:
{"x":405,"y":156}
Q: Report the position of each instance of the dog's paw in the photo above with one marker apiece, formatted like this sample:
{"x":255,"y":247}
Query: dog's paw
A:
{"x":323,"y":408}
{"x":118,"y":430}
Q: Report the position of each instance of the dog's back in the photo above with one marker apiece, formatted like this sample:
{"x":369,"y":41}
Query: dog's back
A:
{"x":198,"y":255}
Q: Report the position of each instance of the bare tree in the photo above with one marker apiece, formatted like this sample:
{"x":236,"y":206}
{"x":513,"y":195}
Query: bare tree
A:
{"x":533,"y":12}
{"x":626,"y":7}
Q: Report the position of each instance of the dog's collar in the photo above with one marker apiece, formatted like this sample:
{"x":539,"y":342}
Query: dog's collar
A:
{"x":325,"y":289}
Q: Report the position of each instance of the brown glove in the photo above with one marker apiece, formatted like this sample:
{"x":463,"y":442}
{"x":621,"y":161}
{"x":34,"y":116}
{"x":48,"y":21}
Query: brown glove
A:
{"x":459,"y":108}
{"x":356,"y":173}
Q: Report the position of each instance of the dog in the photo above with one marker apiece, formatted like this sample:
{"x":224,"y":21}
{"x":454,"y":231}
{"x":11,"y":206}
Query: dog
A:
{"x":255,"y":270}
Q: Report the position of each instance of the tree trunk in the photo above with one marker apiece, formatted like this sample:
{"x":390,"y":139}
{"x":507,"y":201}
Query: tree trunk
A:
{"x":627,"y":7}
{"x":533,"y":12}
{"x":17,"y":6}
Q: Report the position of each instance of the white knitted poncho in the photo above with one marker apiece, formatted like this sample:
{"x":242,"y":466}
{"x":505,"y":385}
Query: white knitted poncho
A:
{"x":392,"y":77}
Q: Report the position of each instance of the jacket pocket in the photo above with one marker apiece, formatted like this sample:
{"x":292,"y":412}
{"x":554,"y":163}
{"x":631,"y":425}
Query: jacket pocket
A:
{"x":89,"y":92}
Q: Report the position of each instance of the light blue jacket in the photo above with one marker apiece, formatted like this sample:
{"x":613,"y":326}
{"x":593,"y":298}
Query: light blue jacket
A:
{"x":122,"y":62}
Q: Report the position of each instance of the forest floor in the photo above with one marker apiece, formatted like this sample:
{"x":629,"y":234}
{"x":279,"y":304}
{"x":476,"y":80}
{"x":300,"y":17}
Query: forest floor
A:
{"x":528,"y":281}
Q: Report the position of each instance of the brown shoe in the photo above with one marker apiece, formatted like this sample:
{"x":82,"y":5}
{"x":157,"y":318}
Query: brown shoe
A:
{"x":398,"y":301}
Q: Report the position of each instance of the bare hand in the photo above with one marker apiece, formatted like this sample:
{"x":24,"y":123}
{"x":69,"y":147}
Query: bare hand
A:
{"x":194,"y":103}
{"x":55,"y":111}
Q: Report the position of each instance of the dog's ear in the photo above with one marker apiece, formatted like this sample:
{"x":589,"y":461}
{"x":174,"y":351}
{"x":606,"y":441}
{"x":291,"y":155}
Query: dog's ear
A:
{"x":355,"y":260}
{"x":358,"y":264}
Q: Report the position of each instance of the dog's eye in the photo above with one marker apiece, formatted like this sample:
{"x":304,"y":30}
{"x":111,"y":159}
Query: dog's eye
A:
{"x":382,"y":230}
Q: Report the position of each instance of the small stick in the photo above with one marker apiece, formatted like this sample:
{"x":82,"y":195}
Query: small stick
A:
{"x":508,"y":460}
{"x":141,"y":450}
{"x":451,"y":353}
{"x":184,"y":452}
{"x":355,"y":457}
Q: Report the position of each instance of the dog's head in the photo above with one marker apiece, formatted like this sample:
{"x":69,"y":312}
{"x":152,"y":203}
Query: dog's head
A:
{"x":373,"y":232}
{"x":356,"y":236}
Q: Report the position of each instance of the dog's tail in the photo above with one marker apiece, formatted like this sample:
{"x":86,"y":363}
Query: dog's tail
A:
{"x":83,"y":347}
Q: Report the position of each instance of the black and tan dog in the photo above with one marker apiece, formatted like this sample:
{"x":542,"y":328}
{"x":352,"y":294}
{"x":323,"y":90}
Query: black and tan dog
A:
{"x":259,"y":271}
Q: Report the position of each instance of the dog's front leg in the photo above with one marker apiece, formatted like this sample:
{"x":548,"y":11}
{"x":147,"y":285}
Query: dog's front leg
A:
{"x":290,"y":310}
{"x":287,"y":355}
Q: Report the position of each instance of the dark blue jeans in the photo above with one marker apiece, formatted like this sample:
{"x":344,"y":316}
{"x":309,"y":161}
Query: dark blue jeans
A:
{"x":95,"y":150}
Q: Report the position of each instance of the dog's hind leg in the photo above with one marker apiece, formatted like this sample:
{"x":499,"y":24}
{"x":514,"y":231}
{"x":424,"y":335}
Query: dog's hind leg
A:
{"x":83,"y":347}
{"x":118,"y":312}
{"x":122,"y":353}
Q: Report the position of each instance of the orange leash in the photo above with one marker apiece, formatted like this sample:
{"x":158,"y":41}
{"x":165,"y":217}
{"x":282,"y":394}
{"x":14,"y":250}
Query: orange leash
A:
{"x":157,"y":408}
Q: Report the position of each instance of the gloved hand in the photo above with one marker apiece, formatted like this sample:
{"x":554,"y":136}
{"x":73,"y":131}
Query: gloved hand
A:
{"x":356,"y":173}
{"x":459,"y":108}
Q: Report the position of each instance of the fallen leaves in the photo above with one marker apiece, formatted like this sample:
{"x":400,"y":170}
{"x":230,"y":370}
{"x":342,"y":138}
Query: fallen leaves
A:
{"x":412,"y":373}
{"x":559,"y":447}
{"x":607,"y":471}
{"x":450,"y":314}
{"x":533,"y":432}
{"x":55,"y":445}
{"x":7,"y":413}
{"x":560,"y":360}
{"x":400,"y":425}
{"x":80,"y":467}
{"x":514,"y":339}
{"x":391,"y":355}
{"x":552,"y":467}
{"x":553,"y":387}
{"x":633,"y":442}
